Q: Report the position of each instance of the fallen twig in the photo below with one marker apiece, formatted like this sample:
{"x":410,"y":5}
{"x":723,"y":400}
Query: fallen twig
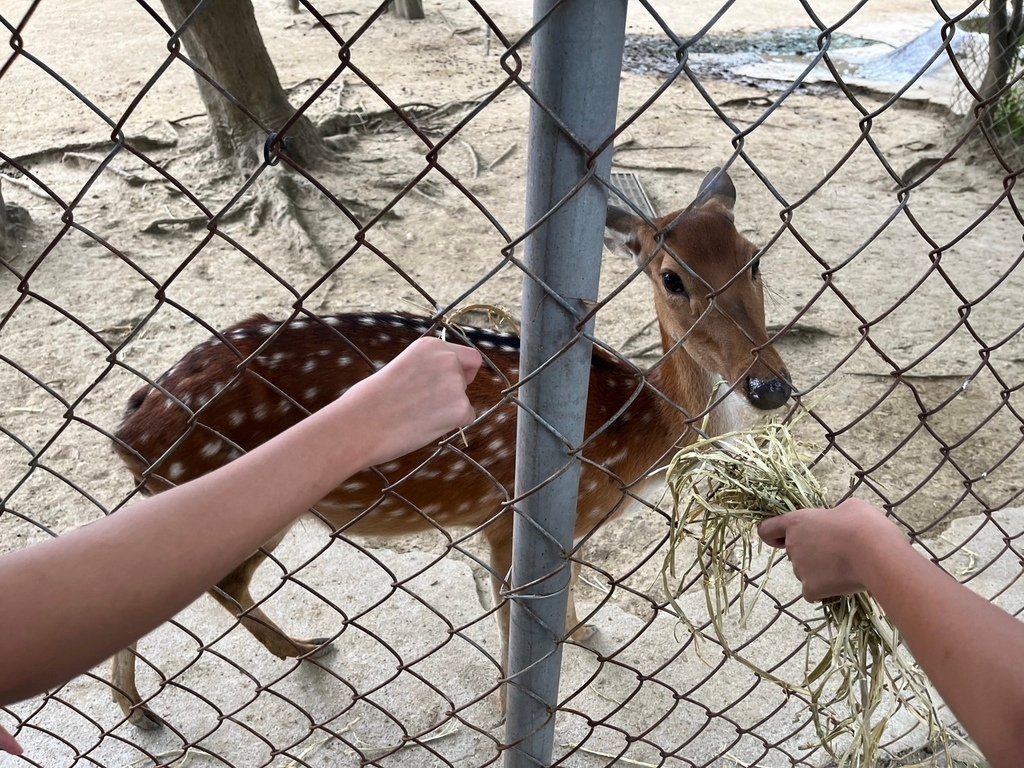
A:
{"x":503,"y":156}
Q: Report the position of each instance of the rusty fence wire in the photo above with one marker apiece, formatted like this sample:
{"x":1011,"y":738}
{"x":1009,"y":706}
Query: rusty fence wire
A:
{"x":357,"y":180}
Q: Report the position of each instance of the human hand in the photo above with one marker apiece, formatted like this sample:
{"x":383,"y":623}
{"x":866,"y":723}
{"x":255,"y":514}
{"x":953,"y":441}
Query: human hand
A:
{"x":831,"y":549}
{"x":8,"y":744}
{"x":417,"y":397}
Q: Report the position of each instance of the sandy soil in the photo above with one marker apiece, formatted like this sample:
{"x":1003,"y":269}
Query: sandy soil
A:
{"x":866,"y":287}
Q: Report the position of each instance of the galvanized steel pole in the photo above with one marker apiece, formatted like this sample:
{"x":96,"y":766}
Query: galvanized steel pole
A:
{"x":577,"y":60}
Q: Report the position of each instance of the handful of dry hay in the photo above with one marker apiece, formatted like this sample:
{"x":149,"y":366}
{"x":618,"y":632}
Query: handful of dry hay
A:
{"x":724,"y":486}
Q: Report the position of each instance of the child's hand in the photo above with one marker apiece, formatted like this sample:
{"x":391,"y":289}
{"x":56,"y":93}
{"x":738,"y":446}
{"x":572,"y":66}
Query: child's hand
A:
{"x":418,"y":397}
{"x":8,"y":744}
{"x":830,"y":549}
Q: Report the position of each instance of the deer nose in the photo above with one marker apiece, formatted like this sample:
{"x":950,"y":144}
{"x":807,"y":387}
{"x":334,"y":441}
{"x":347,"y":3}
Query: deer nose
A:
{"x":767,"y":394}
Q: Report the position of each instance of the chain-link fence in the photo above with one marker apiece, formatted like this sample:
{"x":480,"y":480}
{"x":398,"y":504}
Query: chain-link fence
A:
{"x":343,"y":160}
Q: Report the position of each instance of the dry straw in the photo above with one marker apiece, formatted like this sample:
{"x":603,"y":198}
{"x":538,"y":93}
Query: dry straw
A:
{"x":721,"y":488}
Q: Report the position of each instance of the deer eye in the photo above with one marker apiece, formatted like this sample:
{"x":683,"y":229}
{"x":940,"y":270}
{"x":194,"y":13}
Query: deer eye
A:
{"x":672,"y":282}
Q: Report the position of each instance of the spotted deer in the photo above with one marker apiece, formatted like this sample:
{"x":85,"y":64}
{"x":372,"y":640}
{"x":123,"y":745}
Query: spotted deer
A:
{"x":232,"y":393}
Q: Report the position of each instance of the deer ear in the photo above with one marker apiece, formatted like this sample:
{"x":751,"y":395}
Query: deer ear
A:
{"x":716,"y":187}
{"x":620,"y":233}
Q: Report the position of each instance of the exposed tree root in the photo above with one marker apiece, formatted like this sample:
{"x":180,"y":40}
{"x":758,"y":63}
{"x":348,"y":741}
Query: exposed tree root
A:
{"x":49,"y":154}
{"x":277,"y":203}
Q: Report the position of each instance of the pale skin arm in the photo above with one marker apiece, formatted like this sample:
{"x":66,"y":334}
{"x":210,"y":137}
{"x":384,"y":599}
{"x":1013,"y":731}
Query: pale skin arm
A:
{"x":972,"y":651}
{"x":112,"y":581}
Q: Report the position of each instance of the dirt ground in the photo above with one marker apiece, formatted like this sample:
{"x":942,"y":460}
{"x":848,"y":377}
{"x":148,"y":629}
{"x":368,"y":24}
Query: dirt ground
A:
{"x":864,"y":286}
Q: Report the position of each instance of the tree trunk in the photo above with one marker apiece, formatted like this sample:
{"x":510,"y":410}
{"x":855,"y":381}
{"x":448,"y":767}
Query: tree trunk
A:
{"x":1004,"y":33}
{"x":224,"y":42}
{"x":407,"y":9}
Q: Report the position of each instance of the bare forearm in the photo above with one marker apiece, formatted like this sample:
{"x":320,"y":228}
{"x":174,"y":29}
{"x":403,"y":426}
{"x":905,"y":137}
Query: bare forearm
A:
{"x":127,"y":573}
{"x":970,"y":649}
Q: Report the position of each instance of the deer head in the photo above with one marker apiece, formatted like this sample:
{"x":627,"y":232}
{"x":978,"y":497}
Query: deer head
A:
{"x":708,"y":293}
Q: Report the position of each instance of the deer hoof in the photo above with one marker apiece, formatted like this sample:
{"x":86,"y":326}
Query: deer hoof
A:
{"x":145,"y":719}
{"x":318,"y":648}
{"x":586,"y":635}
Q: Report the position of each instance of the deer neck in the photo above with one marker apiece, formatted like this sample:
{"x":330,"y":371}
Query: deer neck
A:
{"x":681,"y":389}
{"x":658,"y":418}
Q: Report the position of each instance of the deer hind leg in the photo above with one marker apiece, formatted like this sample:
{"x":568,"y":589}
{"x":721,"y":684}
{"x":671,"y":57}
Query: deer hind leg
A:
{"x":232,"y":592}
{"x":126,"y":695}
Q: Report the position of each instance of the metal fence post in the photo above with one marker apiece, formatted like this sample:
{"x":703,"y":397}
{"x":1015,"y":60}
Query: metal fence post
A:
{"x":577,"y":60}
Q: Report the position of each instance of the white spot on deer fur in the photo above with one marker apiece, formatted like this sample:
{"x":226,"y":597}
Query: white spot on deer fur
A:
{"x":311,"y":393}
{"x":332,"y":320}
{"x":275,"y":360}
{"x":233,"y":454}
{"x":590,"y":486}
{"x":203,"y":400}
{"x":268,"y":328}
{"x":496,"y":445}
{"x":308,"y":366}
{"x":383,"y":338}
{"x":391,"y":466}
{"x":299,"y":324}
{"x":210,"y":450}
{"x":175,"y":471}
{"x":502,"y":416}
{"x":453,"y":473}
{"x":617,"y":457}
{"x":168,"y":403}
{"x":324,"y":352}
{"x":367,"y":320}
{"x":235,"y":418}
{"x":344,"y":360}
{"x":486,"y":344}
{"x":283,"y":406}
{"x":261,"y":411}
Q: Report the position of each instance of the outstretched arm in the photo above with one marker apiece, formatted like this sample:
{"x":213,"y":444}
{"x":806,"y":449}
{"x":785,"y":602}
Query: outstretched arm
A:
{"x":108,"y":583}
{"x":971,"y":650}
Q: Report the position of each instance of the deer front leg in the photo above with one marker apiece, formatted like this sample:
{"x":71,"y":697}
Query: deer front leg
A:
{"x":125,"y":693}
{"x":500,"y":571}
{"x":582,"y":633}
{"x":501,"y":568}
